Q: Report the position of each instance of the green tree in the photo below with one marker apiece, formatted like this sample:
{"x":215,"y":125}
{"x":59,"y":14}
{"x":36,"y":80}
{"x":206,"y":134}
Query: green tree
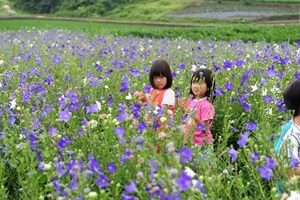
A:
{"x":36,"y":6}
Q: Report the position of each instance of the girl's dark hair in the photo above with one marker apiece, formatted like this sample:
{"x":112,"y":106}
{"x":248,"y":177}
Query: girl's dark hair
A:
{"x":291,"y":96}
{"x":209,"y":80}
{"x":161,"y":68}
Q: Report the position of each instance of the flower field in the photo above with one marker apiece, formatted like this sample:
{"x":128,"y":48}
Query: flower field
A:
{"x":71,"y":129}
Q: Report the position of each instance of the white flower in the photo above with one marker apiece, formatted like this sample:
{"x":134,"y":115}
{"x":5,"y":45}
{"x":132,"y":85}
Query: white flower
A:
{"x":163,"y":119}
{"x":189,"y":172}
{"x":141,"y":48}
{"x":85,"y":81}
{"x":20,"y":146}
{"x":170,"y":112}
{"x":106,"y":87}
{"x":13,"y":104}
{"x":129,"y":96}
{"x":98,"y":105}
{"x":254,"y":88}
{"x":295,"y":195}
{"x":92,"y":123}
{"x":264,"y":92}
{"x":156,"y":110}
{"x":47,"y":167}
{"x":270,"y":111}
{"x":179,"y":47}
{"x":21,"y":136}
{"x":202,"y":67}
{"x":194,"y":68}
{"x":1,"y":62}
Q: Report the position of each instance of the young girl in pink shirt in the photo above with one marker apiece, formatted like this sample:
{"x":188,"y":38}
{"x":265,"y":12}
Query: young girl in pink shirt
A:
{"x":199,"y":108}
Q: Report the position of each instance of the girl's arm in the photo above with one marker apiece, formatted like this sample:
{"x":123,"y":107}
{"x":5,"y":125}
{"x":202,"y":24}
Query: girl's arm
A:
{"x":142,"y":97}
{"x":182,"y":105}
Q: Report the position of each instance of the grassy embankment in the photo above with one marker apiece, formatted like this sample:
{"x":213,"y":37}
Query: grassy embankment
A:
{"x":155,"y":14}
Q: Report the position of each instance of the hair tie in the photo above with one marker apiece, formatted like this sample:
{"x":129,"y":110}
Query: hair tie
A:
{"x":200,"y":74}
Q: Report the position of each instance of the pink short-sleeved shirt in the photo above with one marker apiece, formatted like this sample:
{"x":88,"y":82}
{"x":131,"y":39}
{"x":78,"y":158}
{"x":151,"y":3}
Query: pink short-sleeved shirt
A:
{"x":206,"y":112}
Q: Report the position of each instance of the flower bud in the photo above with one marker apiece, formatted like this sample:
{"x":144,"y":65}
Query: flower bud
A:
{"x":93,"y":195}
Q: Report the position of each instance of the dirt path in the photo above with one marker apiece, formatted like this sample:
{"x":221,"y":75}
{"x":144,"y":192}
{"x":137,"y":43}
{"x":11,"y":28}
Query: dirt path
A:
{"x":9,"y":9}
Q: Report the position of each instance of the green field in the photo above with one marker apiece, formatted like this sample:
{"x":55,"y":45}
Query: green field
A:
{"x":254,"y":33}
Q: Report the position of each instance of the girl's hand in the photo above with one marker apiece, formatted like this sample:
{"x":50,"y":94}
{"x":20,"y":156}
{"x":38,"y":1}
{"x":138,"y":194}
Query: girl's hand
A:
{"x":141,"y":96}
{"x":184,"y":108}
{"x":197,"y":118}
{"x":136,"y":94}
{"x":181,"y":102}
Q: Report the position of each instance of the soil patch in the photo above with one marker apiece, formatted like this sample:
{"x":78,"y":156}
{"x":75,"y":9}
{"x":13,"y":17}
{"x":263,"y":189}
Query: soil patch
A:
{"x":230,"y":10}
{"x":9,"y":9}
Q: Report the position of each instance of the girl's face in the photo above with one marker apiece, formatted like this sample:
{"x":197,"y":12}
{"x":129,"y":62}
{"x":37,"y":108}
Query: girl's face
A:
{"x":199,"y":88}
{"x":160,"y":82}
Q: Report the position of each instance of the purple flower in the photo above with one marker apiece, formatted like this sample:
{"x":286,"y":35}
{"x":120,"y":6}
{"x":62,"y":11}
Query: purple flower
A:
{"x":233,"y":154}
{"x":52,"y":131}
{"x":84,"y":122}
{"x":102,"y":181}
{"x":125,"y":197}
{"x":229,"y":86}
{"x":183,"y":117}
{"x":185,"y":155}
{"x":268,"y":99}
{"x":141,"y":126}
{"x":234,"y":129}
{"x":131,"y":187}
{"x":201,"y":127}
{"x":62,"y":102}
{"x":93,"y":164}
{"x":73,"y":97}
{"x":33,"y":141}
{"x":272,"y":138}
{"x":111,"y":168}
{"x":26,"y":97}
{"x":125,"y":84}
{"x":265,"y":172}
{"x":93,"y":108}
{"x":294,"y":162}
{"x":200,"y":187}
{"x":119,"y":131}
{"x":140,"y":140}
{"x":254,"y":157}
{"x":57,"y":186}
{"x":64,"y":115}
{"x":56,"y":59}
{"x":227,"y":64}
{"x":251,"y":126}
{"x":181,"y":67}
{"x":147,"y":88}
{"x":122,"y":117}
{"x":49,"y":80}
{"x":184,"y":182}
{"x":242,"y":142}
{"x":41,"y":166}
{"x":60,"y":168}
{"x":62,"y":143}
{"x":270,"y":163}
{"x":271,"y":71}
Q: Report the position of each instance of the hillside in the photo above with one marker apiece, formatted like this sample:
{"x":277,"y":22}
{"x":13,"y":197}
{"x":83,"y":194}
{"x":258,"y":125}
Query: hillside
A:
{"x":190,"y":12}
